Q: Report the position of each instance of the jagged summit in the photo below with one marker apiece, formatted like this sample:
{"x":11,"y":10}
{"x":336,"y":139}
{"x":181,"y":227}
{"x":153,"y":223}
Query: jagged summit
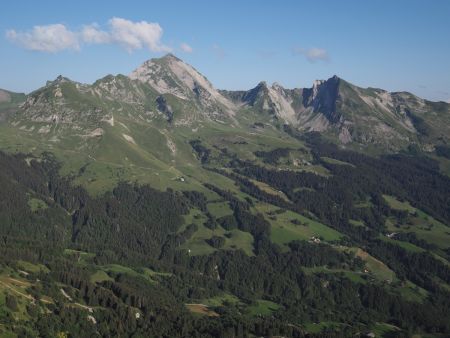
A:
{"x":59,"y":79}
{"x":170,"y":75}
{"x":169,"y":56}
{"x":346,"y":112}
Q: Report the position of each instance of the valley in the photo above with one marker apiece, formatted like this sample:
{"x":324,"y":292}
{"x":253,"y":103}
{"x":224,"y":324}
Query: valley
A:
{"x":155,"y":204}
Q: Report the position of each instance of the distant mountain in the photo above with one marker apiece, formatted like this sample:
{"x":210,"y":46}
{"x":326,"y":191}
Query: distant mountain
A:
{"x":171,"y":76}
{"x":169,"y":89}
{"x":9,"y":102}
{"x":348,"y":113}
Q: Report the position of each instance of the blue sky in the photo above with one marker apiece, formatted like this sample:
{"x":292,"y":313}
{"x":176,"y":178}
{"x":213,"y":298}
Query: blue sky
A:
{"x":395,"y":45}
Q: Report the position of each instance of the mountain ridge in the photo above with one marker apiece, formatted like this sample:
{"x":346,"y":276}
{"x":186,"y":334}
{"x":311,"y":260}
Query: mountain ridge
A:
{"x":168,"y":89}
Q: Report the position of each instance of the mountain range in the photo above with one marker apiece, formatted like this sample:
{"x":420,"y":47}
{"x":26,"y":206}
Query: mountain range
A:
{"x":169,"y":89}
{"x":153,"y":204}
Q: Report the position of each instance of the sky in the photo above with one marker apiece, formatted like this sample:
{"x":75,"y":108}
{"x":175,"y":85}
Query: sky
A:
{"x":395,"y":45}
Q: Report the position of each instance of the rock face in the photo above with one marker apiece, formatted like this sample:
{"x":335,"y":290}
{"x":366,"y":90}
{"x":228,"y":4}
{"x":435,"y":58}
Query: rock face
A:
{"x":323,"y":98}
{"x":349,"y":113}
{"x":170,"y":75}
{"x":61,"y":101}
{"x":165,"y":108}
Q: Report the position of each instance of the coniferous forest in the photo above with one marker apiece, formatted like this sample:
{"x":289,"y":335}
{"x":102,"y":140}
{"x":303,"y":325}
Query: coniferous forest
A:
{"x":117,"y":264}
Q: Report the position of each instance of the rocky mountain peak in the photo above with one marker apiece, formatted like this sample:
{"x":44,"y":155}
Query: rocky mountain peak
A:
{"x":59,"y":79}
{"x":277,"y":86}
{"x":170,"y":75}
{"x":322,"y":97}
{"x":170,"y":56}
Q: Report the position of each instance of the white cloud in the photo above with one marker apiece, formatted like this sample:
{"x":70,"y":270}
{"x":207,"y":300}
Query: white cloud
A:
{"x":312,"y":54}
{"x":186,"y":48}
{"x":136,"y":35}
{"x":125,"y":33}
{"x":49,"y":38}
{"x":91,"y":34}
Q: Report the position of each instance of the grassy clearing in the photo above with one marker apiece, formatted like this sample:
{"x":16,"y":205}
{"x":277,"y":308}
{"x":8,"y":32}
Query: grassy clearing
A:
{"x":153,"y":273}
{"x":375,"y":266}
{"x":430,"y":229}
{"x":100,"y":276}
{"x":422,"y":224}
{"x":379,"y":271}
{"x":334,"y":161}
{"x":32,"y":268}
{"x":317,"y":169}
{"x":195,"y":216}
{"x":405,"y":245}
{"x":107,"y":272}
{"x":239,"y":240}
{"x":198,"y":247}
{"x":363,"y":204}
{"x":234,"y":239}
{"x":440,"y":258}
{"x":221,"y":300}
{"x":357,"y":223}
{"x":425,"y":227}
{"x":119,"y":269}
{"x":82,"y":257}
{"x":383,"y":329}
{"x":262,"y":308}
{"x":270,"y":190}
{"x":412,"y":292}
{"x":197,"y":243}
{"x":394,"y":203}
{"x":444,"y":165}
{"x":219,"y":209}
{"x":284,"y":231}
{"x":36,"y":204}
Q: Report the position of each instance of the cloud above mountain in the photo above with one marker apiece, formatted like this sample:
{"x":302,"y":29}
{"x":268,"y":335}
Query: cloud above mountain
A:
{"x":127,"y":34}
{"x":313,"y":54}
{"x":49,"y":38}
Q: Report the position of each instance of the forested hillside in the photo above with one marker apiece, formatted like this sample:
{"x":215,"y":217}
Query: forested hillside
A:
{"x":154,"y":205}
{"x":274,"y":253}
